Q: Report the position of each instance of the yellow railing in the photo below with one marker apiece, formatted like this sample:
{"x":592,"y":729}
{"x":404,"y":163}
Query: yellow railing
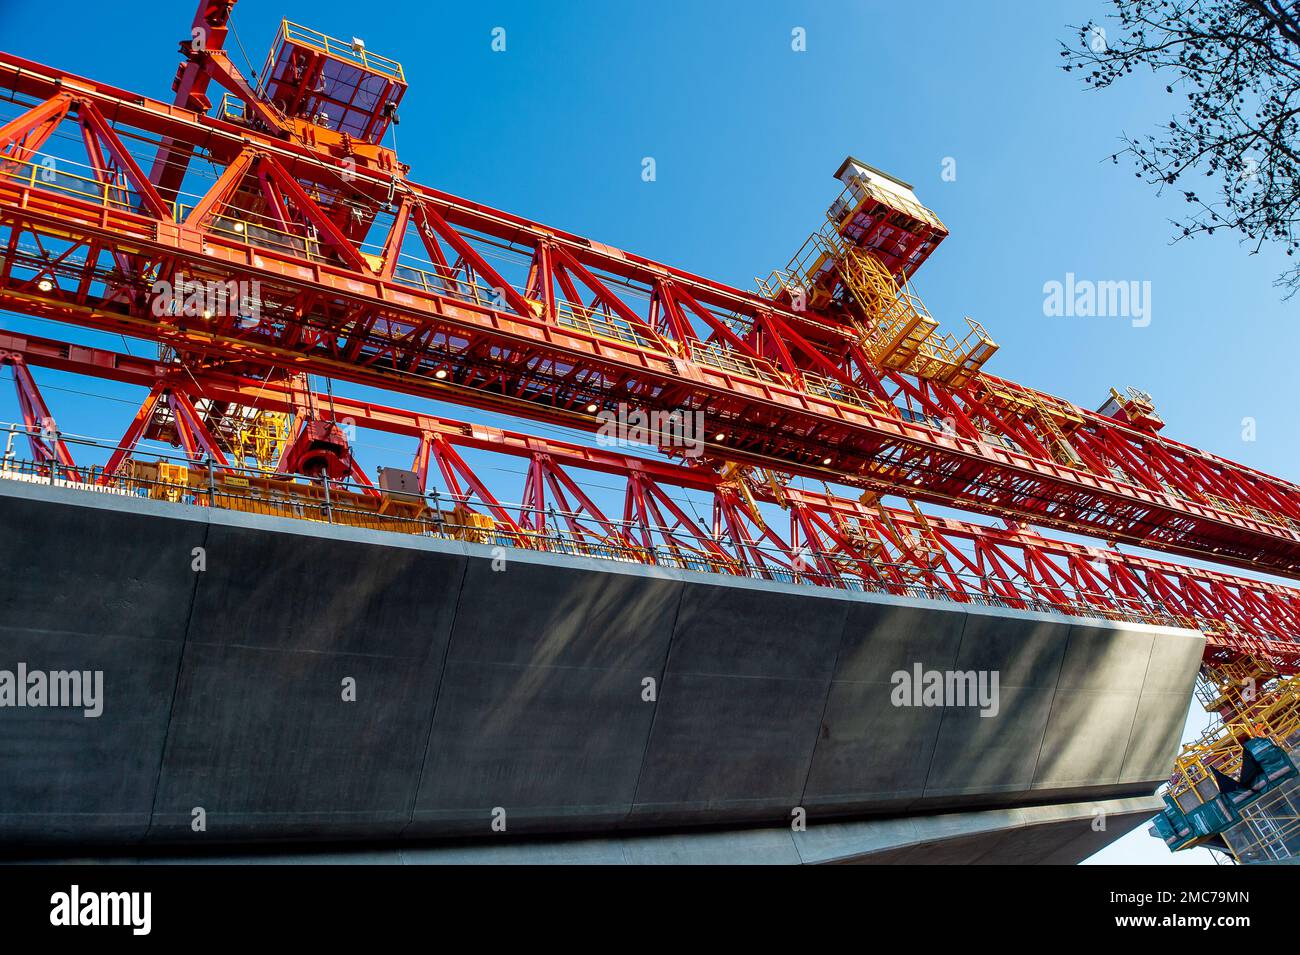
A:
{"x":38,"y":175}
{"x":331,"y":46}
{"x":716,"y":355}
{"x":825,"y":387}
{"x":598,"y":323}
{"x":232,"y":109}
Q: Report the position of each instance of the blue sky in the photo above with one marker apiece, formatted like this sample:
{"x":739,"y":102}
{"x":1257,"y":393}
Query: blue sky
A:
{"x":746,"y":132}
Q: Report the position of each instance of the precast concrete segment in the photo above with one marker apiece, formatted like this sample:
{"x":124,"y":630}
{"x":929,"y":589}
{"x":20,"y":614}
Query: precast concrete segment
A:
{"x":551,"y":694}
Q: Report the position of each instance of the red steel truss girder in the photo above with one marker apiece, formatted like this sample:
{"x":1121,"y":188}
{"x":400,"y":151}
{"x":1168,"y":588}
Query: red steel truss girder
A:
{"x":765,"y":422}
{"x":828,"y":537}
{"x":515,"y":229}
{"x":509,"y":361}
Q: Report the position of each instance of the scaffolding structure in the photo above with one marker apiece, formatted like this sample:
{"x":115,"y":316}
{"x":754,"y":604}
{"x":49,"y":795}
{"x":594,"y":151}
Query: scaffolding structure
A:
{"x":1235,"y":789}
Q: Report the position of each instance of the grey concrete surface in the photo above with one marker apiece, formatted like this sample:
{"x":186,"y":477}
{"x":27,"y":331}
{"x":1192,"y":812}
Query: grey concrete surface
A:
{"x":260,"y":691}
{"x":87,"y":595}
{"x":521,"y":692}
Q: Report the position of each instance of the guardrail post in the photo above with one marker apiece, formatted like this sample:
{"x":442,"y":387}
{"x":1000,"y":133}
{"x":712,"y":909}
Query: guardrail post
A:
{"x":329,"y":512}
{"x":212,"y":483}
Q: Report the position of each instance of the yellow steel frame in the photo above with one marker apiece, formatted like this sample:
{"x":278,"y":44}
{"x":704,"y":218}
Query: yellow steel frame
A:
{"x":1252,"y":701}
{"x":260,"y":439}
{"x":898,"y":331}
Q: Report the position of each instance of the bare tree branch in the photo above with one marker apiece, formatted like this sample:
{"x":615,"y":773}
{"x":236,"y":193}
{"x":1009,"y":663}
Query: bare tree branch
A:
{"x":1236,"y":63}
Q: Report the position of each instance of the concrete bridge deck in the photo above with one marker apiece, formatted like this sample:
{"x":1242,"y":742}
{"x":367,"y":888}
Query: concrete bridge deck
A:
{"x":479,"y":690}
